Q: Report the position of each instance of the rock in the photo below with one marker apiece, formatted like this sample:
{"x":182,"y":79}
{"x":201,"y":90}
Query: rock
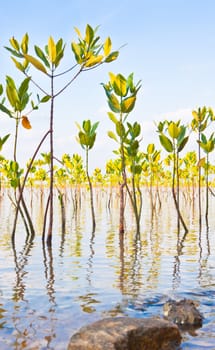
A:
{"x":184,"y":313}
{"x":126,"y":333}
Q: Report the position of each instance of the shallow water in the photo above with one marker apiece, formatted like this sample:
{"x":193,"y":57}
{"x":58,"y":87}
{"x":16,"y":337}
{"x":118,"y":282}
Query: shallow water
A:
{"x":47,"y":294}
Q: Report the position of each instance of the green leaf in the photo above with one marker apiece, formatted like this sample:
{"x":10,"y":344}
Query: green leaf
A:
{"x":42,"y":56}
{"x":84,"y":139}
{"x":59,"y":45}
{"x":203,"y":138}
{"x":120,"y":129}
{"x":160,"y":126}
{"x":136,"y":129}
{"x":94,"y":127}
{"x":89,"y":34}
{"x":13,"y":52}
{"x":59,"y":56}
{"x":10,"y":81}
{"x":45,"y":99}
{"x":181,"y":134}
{"x":5,"y":110}
{"x":112,"y":135}
{"x":183,"y":143}
{"x":166,"y":143}
{"x":3,"y":140}
{"x":24,"y":87}
{"x":87,"y":126}
{"x":112,"y":57}
{"x":14,"y":166}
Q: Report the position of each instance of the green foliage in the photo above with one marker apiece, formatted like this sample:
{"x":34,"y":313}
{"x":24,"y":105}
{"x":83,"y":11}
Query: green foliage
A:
{"x":166,"y":143}
{"x":89,"y":52}
{"x":13,"y":173}
{"x":3,"y":140}
{"x":207,"y":144}
{"x":121,"y":93}
{"x":87,"y":134}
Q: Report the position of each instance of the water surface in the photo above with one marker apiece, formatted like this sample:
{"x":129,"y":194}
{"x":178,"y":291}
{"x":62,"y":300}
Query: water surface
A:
{"x":48,"y":294}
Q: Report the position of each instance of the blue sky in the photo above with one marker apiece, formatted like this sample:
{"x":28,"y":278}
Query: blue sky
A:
{"x":170,"y":46}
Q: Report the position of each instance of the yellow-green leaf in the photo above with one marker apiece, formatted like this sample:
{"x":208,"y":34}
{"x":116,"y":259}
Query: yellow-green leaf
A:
{"x":36,"y":63}
{"x":173,"y":130}
{"x":166,"y":143}
{"x":24,"y":43}
{"x":78,"y":32}
{"x":112,"y":77}
{"x":112,"y":57}
{"x":128,"y":104}
{"x":112,"y":117}
{"x":14,"y":43}
{"x":18,"y":64}
{"x":150,"y":148}
{"x":112,"y":135}
{"x":114,"y":103}
{"x":51,"y":49}
{"x":89,"y":34}
{"x":195,"y":115}
{"x":120,"y":85}
{"x":77,"y":52}
{"x":93,"y":61}
{"x":107,"y":46}
{"x":12,"y":95}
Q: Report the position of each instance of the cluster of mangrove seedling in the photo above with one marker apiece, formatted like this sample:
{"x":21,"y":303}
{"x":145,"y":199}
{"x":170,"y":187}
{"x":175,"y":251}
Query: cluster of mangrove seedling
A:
{"x":132,"y":167}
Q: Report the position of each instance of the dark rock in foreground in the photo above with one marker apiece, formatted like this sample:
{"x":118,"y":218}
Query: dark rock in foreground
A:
{"x":184,"y":313}
{"x":126,"y":333}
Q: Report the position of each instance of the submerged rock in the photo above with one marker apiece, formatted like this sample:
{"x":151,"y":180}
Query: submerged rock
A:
{"x":126,"y":333}
{"x":184,"y":313}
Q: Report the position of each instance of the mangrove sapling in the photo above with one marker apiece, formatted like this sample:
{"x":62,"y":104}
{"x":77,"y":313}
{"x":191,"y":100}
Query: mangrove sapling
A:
{"x":133,"y":157}
{"x":29,"y":167}
{"x":86,"y":138}
{"x":18,"y":99}
{"x":191,"y":173}
{"x":77,"y":175}
{"x":121,"y":94}
{"x":89,"y":53}
{"x":174,"y":145}
{"x":151,"y":163}
{"x":201,"y":119}
{"x":207,"y":145}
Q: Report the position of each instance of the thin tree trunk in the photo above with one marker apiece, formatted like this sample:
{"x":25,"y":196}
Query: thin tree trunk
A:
{"x":50,"y":228}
